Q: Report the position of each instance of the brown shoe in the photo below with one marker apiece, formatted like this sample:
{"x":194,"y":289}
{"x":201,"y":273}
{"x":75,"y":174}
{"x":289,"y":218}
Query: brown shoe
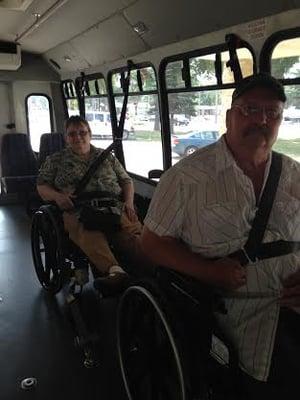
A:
{"x":112,"y":284}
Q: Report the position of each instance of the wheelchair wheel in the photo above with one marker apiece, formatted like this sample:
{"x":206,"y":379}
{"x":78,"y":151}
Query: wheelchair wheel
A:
{"x":150,"y":360}
{"x":46,"y":245}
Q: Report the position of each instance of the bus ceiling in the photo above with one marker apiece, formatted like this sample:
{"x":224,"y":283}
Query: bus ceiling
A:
{"x":75,"y":35}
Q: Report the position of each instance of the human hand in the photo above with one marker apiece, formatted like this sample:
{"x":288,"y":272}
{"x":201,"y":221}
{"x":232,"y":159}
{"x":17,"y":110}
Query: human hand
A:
{"x":290,"y":294}
{"x":64,"y":200}
{"x":130,"y":211}
{"x":227,"y":273}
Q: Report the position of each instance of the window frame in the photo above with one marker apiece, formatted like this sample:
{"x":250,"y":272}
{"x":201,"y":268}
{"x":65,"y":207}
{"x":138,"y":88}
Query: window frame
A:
{"x":265,"y":60}
{"x":82,"y":96}
{"x":112,"y":95}
{"x":68,"y":97}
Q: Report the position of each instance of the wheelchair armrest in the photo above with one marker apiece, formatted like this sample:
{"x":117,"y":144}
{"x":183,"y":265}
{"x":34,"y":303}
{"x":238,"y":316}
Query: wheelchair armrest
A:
{"x":52,"y":212}
{"x":191,"y":288}
{"x":50,"y":207}
{"x":18,"y":184}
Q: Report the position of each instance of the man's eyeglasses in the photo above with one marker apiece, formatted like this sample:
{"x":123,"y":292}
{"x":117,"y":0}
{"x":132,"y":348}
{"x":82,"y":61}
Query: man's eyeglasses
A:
{"x":82,"y":133}
{"x":272,"y":113}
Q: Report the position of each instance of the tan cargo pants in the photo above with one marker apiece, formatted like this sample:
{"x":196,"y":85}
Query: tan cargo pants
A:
{"x":95,"y":244}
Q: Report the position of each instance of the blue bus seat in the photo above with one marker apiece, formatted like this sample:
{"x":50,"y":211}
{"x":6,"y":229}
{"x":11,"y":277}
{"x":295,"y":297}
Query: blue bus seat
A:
{"x":18,"y":164}
{"x":49,"y":144}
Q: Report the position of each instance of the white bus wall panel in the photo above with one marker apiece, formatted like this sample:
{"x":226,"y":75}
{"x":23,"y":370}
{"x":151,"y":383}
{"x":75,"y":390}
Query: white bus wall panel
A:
{"x":21,"y":90}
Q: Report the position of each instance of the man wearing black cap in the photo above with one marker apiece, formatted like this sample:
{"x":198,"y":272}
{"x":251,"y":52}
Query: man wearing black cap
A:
{"x":203,"y":210}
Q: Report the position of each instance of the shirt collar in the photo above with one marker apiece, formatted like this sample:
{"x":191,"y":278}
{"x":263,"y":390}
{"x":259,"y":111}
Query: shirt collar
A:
{"x":92,"y":155}
{"x":225,"y":158}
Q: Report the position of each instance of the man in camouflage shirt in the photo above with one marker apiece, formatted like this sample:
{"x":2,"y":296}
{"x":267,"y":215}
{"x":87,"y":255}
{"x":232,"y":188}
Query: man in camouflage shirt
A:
{"x":58,"y":178}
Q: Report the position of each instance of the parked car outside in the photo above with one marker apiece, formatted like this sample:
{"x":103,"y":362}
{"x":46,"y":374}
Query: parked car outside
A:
{"x":100,"y":124}
{"x":181,"y":120}
{"x":188,"y":143}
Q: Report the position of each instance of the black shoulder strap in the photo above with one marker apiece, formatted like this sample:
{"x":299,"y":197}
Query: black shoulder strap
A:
{"x":262,"y":215}
{"x":277,"y":249}
{"x":92,"y":169}
{"x":256,"y":234}
{"x":118,"y":135}
{"x":254,"y":249}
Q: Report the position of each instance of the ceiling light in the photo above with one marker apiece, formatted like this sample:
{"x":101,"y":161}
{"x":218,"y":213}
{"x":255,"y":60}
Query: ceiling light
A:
{"x":40,"y":19}
{"x":140,"y":28}
{"x":67,"y":59}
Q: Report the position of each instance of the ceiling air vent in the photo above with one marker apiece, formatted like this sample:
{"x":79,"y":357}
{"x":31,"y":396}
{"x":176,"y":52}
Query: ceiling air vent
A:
{"x":10,"y":56}
{"x":20,"y":5}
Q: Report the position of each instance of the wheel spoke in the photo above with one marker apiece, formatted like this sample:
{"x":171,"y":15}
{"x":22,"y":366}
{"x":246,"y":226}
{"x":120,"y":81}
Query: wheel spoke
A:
{"x":149,"y":362}
{"x":47,"y":259}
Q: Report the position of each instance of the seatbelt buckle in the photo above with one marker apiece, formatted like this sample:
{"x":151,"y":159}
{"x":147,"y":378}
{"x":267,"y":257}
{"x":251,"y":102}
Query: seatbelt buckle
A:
{"x":246,"y":258}
{"x":243,"y":257}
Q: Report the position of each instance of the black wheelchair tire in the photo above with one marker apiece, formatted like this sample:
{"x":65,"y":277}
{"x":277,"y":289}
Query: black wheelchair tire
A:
{"x":49,"y":267}
{"x":146,"y":294}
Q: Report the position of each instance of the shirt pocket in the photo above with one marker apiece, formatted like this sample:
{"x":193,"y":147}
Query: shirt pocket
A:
{"x":285,"y":216}
{"x":220,"y":222}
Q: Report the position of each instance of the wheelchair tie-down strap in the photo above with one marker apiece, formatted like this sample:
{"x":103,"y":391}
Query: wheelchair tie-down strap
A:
{"x":254,"y":249}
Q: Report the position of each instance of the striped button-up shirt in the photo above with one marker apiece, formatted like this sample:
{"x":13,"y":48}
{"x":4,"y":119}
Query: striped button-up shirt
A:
{"x":208,"y":202}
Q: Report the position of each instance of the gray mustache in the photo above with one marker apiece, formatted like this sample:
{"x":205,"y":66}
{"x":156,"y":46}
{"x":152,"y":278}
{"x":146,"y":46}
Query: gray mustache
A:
{"x":257,"y":130}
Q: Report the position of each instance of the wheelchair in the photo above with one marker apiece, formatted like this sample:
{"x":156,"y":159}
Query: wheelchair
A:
{"x":55,"y":256}
{"x":49,"y":247}
{"x":165,"y":323}
{"x":165,"y":327}
{"x":56,"y":259}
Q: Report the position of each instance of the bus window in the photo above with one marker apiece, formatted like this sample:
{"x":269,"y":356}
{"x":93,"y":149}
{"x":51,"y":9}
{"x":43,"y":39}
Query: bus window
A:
{"x":203,"y":70}
{"x":285,"y":65}
{"x":97,"y":111}
{"x":70,"y":97}
{"x":174,"y":75}
{"x":246,"y":64}
{"x":142,"y":143}
{"x":38,"y":117}
{"x":196,"y":119}
{"x":199,"y":93}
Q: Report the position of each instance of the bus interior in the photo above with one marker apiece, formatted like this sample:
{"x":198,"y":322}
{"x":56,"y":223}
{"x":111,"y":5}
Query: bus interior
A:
{"x":67,"y":57}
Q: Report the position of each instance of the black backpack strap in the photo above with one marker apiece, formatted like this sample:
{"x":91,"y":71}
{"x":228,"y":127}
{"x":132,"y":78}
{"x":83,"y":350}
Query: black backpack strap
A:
{"x":250,"y":250}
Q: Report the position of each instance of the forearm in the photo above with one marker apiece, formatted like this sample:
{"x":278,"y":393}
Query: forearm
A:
{"x":128,"y":192}
{"x":172,"y":253}
{"x":166,"y":251}
{"x":47,"y":192}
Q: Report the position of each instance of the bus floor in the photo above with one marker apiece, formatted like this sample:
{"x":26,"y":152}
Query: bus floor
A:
{"x":36,"y":336}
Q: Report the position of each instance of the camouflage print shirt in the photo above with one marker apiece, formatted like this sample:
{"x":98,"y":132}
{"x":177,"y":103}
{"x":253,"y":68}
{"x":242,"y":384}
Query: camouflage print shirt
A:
{"x":63,"y":171}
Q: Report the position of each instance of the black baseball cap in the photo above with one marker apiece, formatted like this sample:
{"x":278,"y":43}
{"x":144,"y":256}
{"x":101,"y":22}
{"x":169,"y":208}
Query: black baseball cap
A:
{"x":259,"y":80}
